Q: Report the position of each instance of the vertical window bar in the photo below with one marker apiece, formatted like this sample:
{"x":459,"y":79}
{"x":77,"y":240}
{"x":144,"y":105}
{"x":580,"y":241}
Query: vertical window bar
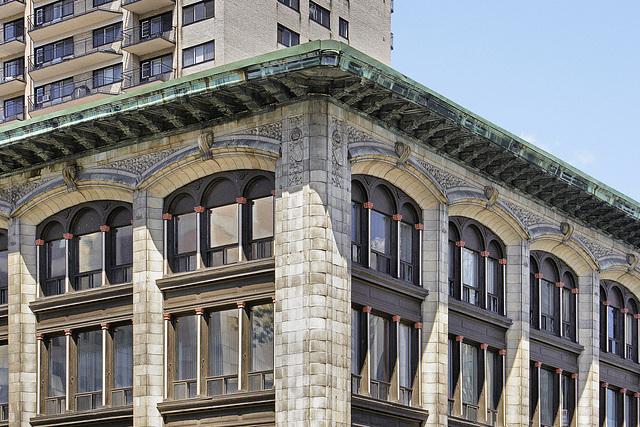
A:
{"x":538,"y":365}
{"x":368,"y":206}
{"x":39,"y":248}
{"x":459,"y":400}
{"x":367,"y":310}
{"x":503,"y":264}
{"x":240,"y":201}
{"x":396,"y":320}
{"x":165,"y":264}
{"x":503,"y":401}
{"x":167,"y":319}
{"x":487,"y":306}
{"x":105,"y":327}
{"x":636,"y":318}
{"x":485,"y":386}
{"x":418,"y":326}
{"x":199,"y":315}
{"x":39,"y":338}
{"x":67,"y":336}
{"x":461,"y":281}
{"x":561,"y":379}
{"x":67,"y":280}
{"x":624,"y":312}
{"x":398,"y":218}
{"x":199,"y":210}
{"x":560,"y":287}
{"x":539,"y":278}
{"x":103,"y":276}
{"x":241,"y":306}
{"x":420,"y":229}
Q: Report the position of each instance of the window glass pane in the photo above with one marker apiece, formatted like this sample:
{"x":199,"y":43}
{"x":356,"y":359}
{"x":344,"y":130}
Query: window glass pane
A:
{"x":262,"y":218}
{"x":404,"y":352}
{"x":378,"y":347}
{"x":4,"y":269}
{"x":612,"y":407}
{"x":57,"y":364}
{"x":186,"y":357}
{"x":223,"y":225}
{"x":262,"y":337}
{"x":123,"y":360}
{"x":469,"y":374}
{"x":567,"y":398}
{"x":56,"y":258}
{"x":356,"y":220}
{"x":493,"y":278}
{"x":546,"y":397}
{"x":547,"y":303}
{"x":380,"y":232}
{"x":89,"y":361}
{"x":452,"y":364}
{"x":4,"y":373}
{"x":123,"y":245}
{"x":406,"y":243}
{"x":470,"y":267}
{"x":185,"y":233}
{"x":90,"y":252}
{"x":566,"y":304}
{"x":492,"y":384}
{"x":223,"y":343}
{"x":613,"y":322}
{"x":355,"y":342}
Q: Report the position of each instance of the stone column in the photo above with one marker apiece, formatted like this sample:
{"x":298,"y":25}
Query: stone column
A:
{"x":313,"y":286}
{"x":148,"y":336}
{"x":23,"y":366}
{"x":517,"y":357}
{"x":434,"y":353}
{"x":588,"y":397}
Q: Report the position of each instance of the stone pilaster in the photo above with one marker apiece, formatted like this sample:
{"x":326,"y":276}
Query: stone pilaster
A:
{"x":589,"y":360}
{"x":23,"y":366}
{"x":517,"y":336}
{"x":434,"y":351}
{"x":148,"y":338}
{"x":313,"y":286}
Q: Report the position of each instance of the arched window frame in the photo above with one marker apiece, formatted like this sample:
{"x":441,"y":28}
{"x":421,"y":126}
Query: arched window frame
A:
{"x":248,"y":191}
{"x":470,"y":240}
{"x":619,"y":321}
{"x":562,"y":285}
{"x":58,"y":247}
{"x":399,"y":215}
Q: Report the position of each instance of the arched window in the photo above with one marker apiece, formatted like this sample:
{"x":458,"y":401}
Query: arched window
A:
{"x":385,"y":229}
{"x":553,"y":289}
{"x":476,"y":265}
{"x":220,"y":220}
{"x":618,"y":320}
{"x":84,"y":247}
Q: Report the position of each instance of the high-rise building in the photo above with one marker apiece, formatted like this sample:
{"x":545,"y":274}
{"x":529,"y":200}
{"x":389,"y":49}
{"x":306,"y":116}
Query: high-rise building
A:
{"x":303,"y":237}
{"x":62,"y":54}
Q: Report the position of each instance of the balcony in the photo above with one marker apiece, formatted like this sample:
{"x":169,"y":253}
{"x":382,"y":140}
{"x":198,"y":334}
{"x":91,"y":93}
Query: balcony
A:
{"x":46,"y":25}
{"x":11,"y":7}
{"x":11,"y":81}
{"x":84,"y":55}
{"x":11,"y":44}
{"x":10,"y":116}
{"x":81,"y":93}
{"x":139,"y":42}
{"x":134,"y":79}
{"x":144,"y":6}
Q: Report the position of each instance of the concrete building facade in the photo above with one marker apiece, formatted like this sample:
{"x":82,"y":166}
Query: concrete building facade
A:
{"x":307,"y":237}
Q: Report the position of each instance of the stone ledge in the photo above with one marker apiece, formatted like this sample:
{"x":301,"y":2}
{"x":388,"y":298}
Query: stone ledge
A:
{"x":111,"y":417}
{"x":73,"y":299}
{"x":552,"y":340}
{"x":395,"y":410}
{"x":478,"y":313}
{"x":213,"y":403}
{"x":388,"y":282}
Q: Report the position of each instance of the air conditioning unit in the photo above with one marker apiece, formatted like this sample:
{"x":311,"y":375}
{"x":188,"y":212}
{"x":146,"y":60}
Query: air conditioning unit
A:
{"x":42,"y":98}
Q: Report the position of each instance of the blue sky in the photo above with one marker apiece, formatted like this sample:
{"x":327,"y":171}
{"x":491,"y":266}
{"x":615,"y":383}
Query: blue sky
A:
{"x":564,"y":75}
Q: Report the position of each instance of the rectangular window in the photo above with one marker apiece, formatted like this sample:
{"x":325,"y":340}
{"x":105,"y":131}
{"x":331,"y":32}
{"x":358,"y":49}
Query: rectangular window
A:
{"x":107,"y":75}
{"x":100,"y":2}
{"x":452,"y":268}
{"x":14,"y":30}
{"x":197,"y":12}
{"x":122,"y":254}
{"x":547,"y":406}
{"x":629,"y":335}
{"x":108,"y":34}
{"x":53,"y":12}
{"x":293,"y":4}
{"x":470,"y":279}
{"x":356,"y":232}
{"x":406,"y":252}
{"x":494,"y":385}
{"x":404,"y":364}
{"x":261,"y":375}
{"x":319,"y":14}
{"x":155,"y":26}
{"x":343,"y":28}
{"x":198,"y":54}
{"x":630,"y":410}
{"x":380,"y":242}
{"x":223,"y":352}
{"x":53,"y":52}
{"x":262,"y":227}
{"x":122,"y":392}
{"x":469,"y":355}
{"x":4,"y":276}
{"x":14,"y":108}
{"x":547,"y":305}
{"x":57,"y":379}
{"x":14,"y":69}
{"x":185,"y":242}
{"x":355,"y":351}
{"x":494,"y":285}
{"x":612,"y":407}
{"x":89,"y":359}
{"x":223,"y":235}
{"x":55,"y":267}
{"x":186,"y":360}
{"x":567,"y":312}
{"x":613,"y":330}
{"x":287,"y":37}
{"x":88,"y":261}
{"x":379,"y":357}
{"x":4,"y":382}
{"x":156,"y":66}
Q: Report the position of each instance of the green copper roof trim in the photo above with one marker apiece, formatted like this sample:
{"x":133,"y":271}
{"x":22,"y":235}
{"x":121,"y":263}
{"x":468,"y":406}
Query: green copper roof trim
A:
{"x":326,"y":53}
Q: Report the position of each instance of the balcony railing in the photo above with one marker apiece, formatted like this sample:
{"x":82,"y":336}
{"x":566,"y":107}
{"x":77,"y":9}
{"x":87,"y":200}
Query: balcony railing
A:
{"x":43,"y":18}
{"x":81,"y":48}
{"x":10,"y":74}
{"x":139,"y":77}
{"x":81,"y":89}
{"x":143,"y":6}
{"x":145,"y":39}
{"x":11,"y":7}
{"x":19,"y":38}
{"x":15,"y":114}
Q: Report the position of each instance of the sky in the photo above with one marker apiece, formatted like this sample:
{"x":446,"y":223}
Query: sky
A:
{"x":562,"y":74}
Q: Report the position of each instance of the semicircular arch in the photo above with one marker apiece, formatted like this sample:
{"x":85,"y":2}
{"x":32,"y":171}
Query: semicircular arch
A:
{"x":574,"y":255}
{"x":496,"y":219}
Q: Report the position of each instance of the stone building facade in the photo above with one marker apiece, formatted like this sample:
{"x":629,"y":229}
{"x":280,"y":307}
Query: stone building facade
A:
{"x":308,"y":238}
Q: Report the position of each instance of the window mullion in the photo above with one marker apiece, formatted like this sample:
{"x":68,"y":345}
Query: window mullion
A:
{"x":199,"y":319}
{"x":368,"y":206}
{"x":103,"y":276}
{"x":539,"y":277}
{"x":39,"y":255}
{"x":458,"y":389}
{"x":39,"y":341}
{"x":420,"y":229}
{"x":199,"y":210}
{"x":165,"y":265}
{"x":560,"y":395}
{"x":560,"y":287}
{"x":485,"y":256}
{"x":396,"y":320}
{"x":105,"y":327}
{"x":167,"y":320}
{"x":484,"y":408}
{"x":241,"y":343}
{"x":240,"y":201}
{"x":67,"y":248}
{"x":398,"y":218}
{"x":503,"y":401}
{"x":418,"y":382}
{"x":367,"y":310}
{"x":536,"y":419}
{"x":67,"y":336}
